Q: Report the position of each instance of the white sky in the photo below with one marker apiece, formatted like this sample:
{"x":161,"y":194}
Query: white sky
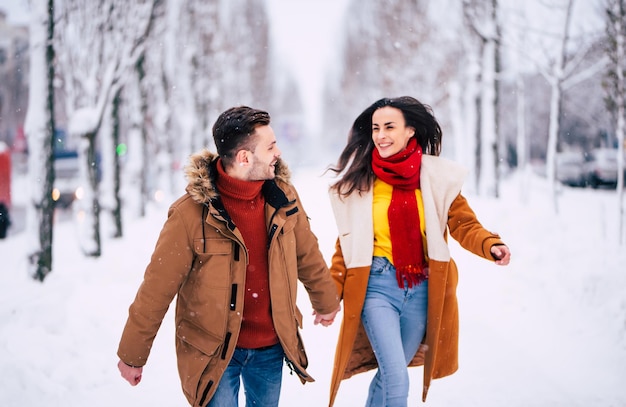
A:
{"x":306,"y":34}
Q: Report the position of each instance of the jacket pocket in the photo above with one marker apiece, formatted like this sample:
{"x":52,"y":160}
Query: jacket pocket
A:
{"x":198,"y":338}
{"x":212,"y":246}
{"x":197,"y":357}
{"x":212,"y":264}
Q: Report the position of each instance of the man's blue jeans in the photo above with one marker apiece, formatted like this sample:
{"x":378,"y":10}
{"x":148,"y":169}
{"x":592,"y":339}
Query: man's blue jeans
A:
{"x":395,"y":322}
{"x":261,"y":371}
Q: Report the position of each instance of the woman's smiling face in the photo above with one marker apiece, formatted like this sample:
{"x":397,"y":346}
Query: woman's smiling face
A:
{"x":389,"y":131}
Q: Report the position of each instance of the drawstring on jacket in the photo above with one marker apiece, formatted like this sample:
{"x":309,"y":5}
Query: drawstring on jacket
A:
{"x":204,"y":214}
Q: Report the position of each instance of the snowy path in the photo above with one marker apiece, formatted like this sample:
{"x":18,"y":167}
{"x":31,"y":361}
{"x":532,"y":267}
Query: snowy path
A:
{"x":549,"y":330}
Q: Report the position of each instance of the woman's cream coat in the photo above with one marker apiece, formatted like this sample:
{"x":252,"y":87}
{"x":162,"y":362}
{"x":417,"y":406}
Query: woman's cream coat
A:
{"x":200,"y":258}
{"x":445,"y":211}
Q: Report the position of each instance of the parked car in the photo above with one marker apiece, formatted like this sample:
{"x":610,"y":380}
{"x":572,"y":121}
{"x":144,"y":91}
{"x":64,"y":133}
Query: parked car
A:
{"x":601,"y":167}
{"x":67,"y":181}
{"x":570,"y":168}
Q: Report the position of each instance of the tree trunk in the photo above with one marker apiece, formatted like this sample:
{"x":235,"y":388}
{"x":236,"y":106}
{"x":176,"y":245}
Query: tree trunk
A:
{"x":466,"y":132}
{"x":499,"y":147}
{"x":521,"y":138}
{"x":136,"y":167}
{"x":109,"y":196}
{"x":89,"y":207}
{"x":40,"y":135}
{"x":620,"y":14}
{"x":145,"y":151}
{"x":556,"y":83}
{"x":553,"y":133}
{"x":488,"y":145}
{"x":117,"y":209}
{"x":482,"y":20}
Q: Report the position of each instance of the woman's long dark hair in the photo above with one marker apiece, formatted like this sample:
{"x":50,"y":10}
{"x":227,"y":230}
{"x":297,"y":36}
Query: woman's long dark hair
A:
{"x":356,"y":157}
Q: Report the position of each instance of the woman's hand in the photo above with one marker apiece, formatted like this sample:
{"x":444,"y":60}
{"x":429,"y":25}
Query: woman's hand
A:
{"x":325,"y":319}
{"x":501,"y":253}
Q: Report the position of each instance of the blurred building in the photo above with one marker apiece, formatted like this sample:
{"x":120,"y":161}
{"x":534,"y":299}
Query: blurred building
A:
{"x":13,"y":81}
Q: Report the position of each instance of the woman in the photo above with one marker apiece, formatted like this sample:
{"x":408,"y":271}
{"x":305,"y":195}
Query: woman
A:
{"x":394,"y":208}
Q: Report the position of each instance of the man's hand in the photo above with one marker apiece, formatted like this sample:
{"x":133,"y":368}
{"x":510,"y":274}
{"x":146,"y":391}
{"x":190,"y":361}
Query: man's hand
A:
{"x":325,"y":319}
{"x":130,"y":373}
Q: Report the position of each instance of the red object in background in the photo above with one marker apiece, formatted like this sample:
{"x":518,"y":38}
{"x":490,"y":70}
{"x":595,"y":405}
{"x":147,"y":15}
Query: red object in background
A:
{"x":19,"y":144}
{"x":5,"y":174}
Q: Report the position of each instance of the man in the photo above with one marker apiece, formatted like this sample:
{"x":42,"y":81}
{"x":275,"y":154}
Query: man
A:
{"x":232,"y":249}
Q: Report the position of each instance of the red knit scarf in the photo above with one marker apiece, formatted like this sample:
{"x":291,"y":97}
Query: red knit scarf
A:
{"x":402,"y":172}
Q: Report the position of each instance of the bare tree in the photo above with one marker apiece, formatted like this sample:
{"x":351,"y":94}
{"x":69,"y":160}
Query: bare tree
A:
{"x":562,"y":71}
{"x":242,"y":50}
{"x":482,"y":18}
{"x":159,"y":86}
{"x":555,"y":78}
{"x":465,"y":100}
{"x":213,"y":55}
{"x":136,"y":173}
{"x":616,"y":100}
{"x":101,"y":44}
{"x":39,"y":129}
{"x":388,"y":49}
{"x":13,"y":85}
{"x":110,"y":202}
{"x":521,"y":139}
{"x":180,"y":52}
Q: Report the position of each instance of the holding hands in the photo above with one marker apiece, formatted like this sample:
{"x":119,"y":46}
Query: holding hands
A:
{"x":325,"y":319}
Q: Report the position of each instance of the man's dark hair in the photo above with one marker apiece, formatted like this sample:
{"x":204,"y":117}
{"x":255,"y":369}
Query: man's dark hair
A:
{"x":234,"y":130}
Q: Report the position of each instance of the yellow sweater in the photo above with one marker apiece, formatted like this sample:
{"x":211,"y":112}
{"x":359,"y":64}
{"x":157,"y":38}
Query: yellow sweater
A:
{"x":380,"y":207}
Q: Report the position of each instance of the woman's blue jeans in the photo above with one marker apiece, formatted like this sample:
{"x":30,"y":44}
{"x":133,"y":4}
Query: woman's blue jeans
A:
{"x":395,"y":322}
{"x":261,"y":371}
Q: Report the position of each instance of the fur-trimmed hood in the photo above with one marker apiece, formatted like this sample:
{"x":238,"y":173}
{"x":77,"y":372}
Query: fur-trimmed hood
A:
{"x":201,"y":172}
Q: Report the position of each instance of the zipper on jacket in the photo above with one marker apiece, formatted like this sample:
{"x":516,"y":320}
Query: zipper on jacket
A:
{"x":205,"y":208}
{"x":226,"y":341}
{"x":275,"y":226}
{"x":205,"y":392}
{"x":293,"y":369}
{"x":271,"y":234}
{"x":236,"y":250}
{"x":233,"y":297}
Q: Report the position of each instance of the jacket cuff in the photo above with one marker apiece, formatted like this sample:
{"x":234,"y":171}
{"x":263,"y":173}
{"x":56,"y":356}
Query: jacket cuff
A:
{"x":488,"y":244}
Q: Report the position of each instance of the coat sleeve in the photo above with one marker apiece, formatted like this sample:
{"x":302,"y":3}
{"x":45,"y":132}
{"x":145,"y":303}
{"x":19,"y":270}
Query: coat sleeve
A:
{"x":468,"y":231}
{"x":312,"y":268}
{"x":170,"y":263}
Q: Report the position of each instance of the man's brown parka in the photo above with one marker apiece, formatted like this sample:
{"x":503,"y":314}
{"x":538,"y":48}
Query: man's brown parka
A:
{"x":201,"y":258}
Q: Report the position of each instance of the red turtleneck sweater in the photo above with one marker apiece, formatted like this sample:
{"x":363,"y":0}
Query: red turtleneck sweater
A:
{"x":246,"y":206}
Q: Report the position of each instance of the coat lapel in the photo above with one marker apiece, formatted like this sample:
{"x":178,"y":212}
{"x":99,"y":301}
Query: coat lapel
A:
{"x":441,"y":181}
{"x":356,"y":234}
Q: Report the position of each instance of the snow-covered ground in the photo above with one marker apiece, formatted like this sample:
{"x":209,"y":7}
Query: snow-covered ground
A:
{"x":548,"y":330}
